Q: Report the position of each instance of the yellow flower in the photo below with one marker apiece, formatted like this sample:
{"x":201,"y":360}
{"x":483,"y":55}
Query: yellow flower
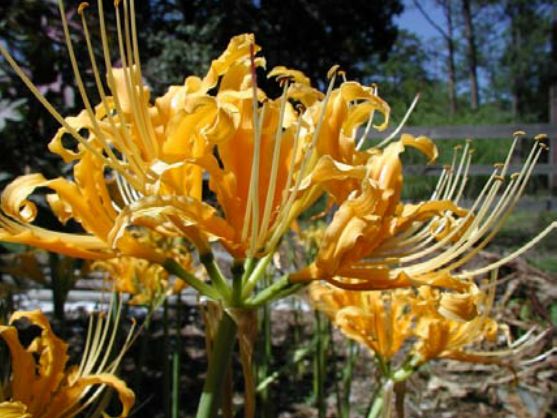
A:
{"x":375,"y":241}
{"x":147,"y":283}
{"x":381,"y":321}
{"x":435,"y":324}
{"x":126,"y":149}
{"x":40,"y":385}
{"x":259,"y":152}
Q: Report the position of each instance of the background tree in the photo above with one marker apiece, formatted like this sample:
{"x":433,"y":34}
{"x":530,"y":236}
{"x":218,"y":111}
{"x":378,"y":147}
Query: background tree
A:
{"x":447,"y":33}
{"x":177,"y":38}
{"x":472,"y":58}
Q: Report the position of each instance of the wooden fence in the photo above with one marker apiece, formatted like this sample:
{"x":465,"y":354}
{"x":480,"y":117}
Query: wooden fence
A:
{"x":494,"y":132}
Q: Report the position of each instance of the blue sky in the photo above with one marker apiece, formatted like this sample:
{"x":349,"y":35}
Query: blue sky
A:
{"x":412,"y":20}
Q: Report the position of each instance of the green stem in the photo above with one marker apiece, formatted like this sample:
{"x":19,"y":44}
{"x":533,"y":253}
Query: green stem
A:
{"x":265,"y":361}
{"x":320,"y":361}
{"x":175,"y":408}
{"x":298,"y":356}
{"x":218,"y":365}
{"x":249,"y":264}
{"x":377,"y":406}
{"x":257,"y":274}
{"x":270,"y":292}
{"x":173,"y":267}
{"x":237,"y":284}
{"x":166,"y":363}
{"x":347,"y":378}
{"x":214,"y":272}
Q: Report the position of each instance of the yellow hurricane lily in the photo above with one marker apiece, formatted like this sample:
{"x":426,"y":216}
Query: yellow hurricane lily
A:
{"x":435,"y":324}
{"x":140,"y":163}
{"x":376,"y":242}
{"x":156,"y":153}
{"x":147,"y":283}
{"x":381,"y":321}
{"x":40,"y":385}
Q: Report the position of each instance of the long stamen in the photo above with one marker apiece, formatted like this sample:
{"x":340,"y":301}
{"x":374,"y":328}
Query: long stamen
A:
{"x":112,"y":84}
{"x":465,"y":177}
{"x":118,"y":138}
{"x":360,"y":143}
{"x":445,"y":240}
{"x":81,"y":87}
{"x":493,"y":222}
{"x":39,"y":96}
{"x":125,"y":50}
{"x":274,"y":168}
{"x":255,"y":202}
{"x":139,"y":76}
{"x":451,"y":174}
{"x":502,"y":211}
{"x":459,"y":170}
{"x":290,"y":175}
{"x":285,"y":215}
{"x":252,"y":205}
{"x":401,"y":124}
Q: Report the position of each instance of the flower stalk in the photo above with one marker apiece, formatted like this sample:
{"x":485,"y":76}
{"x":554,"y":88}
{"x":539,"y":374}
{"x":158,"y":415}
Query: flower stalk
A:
{"x":219,"y":362}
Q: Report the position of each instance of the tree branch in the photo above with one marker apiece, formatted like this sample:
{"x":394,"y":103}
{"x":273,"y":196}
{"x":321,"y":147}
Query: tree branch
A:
{"x":430,"y":20}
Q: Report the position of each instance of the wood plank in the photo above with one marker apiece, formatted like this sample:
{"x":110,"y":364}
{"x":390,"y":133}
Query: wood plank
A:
{"x":479,"y":131}
{"x":477,"y":169}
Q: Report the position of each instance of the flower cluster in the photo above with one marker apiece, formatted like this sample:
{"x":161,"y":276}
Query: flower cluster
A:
{"x":406,"y":328}
{"x":139,"y":165}
{"x":216,"y":161}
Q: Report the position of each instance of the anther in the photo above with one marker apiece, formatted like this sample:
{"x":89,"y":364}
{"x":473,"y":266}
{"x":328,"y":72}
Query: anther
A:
{"x":82,"y":6}
{"x":514,"y":176}
{"x":519,"y":133}
{"x":334,"y":70}
{"x":540,"y":137}
{"x":498,"y":165}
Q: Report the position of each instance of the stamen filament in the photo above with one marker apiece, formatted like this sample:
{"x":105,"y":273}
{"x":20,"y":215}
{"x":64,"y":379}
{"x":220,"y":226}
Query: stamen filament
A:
{"x":271,"y":187}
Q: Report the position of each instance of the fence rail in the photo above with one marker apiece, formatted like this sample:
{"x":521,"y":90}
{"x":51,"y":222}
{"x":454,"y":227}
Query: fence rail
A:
{"x":482,"y":131}
{"x":494,"y":132}
{"x":477,"y":170}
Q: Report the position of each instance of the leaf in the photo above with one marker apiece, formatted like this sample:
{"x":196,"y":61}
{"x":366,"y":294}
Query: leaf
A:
{"x":9,"y":111}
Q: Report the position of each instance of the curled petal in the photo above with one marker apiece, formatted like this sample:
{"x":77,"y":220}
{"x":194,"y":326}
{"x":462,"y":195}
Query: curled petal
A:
{"x":337,"y":178}
{"x":459,"y":306}
{"x":52,"y":352}
{"x":23,"y":365}
{"x":73,"y":245}
{"x":77,"y":123}
{"x":238,"y":48}
{"x":426,"y":210}
{"x":351,"y":91}
{"x":72,"y":394}
{"x":296,"y":76}
{"x":14,"y":197}
{"x":14,"y":410}
{"x":156,"y":211}
{"x":305,"y":94}
{"x":360,"y":114}
{"x":422,"y":143}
